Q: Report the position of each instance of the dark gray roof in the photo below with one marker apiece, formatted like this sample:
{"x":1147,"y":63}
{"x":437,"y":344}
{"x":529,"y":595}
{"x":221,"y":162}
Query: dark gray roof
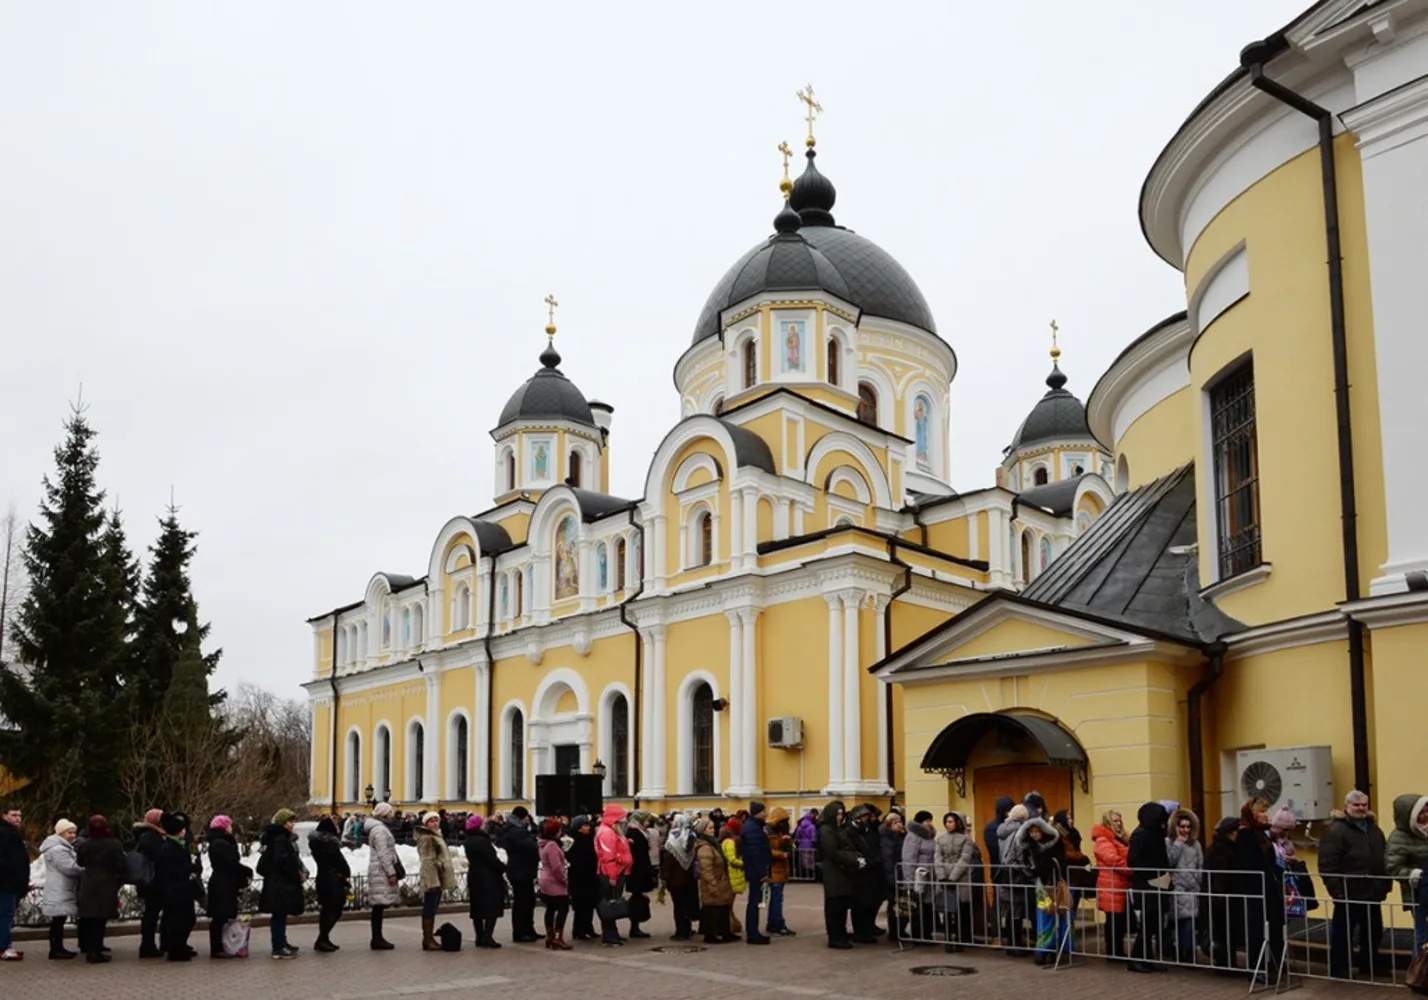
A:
{"x":953,"y":746}
{"x":1055,"y":497}
{"x":547,"y":395}
{"x":399,"y":581}
{"x":492,"y":538}
{"x":831,"y":258}
{"x":749,"y":448}
{"x":1132,"y":566}
{"x":1057,"y":416}
{"x":594,"y":506}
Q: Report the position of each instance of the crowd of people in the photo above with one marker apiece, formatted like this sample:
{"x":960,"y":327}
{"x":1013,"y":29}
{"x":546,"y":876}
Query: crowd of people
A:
{"x":1164,"y":892}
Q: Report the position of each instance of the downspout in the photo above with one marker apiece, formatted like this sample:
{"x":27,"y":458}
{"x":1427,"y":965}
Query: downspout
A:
{"x":1195,"y":723}
{"x":636,"y":776}
{"x":332,"y":722}
{"x":1253,"y":59}
{"x":490,"y":691}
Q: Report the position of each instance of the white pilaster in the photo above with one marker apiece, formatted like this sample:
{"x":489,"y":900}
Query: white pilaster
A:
{"x":835,"y":691}
{"x":659,"y":708}
{"x":655,"y":552}
{"x":974,"y":536}
{"x":648,"y":749}
{"x":481,"y":734}
{"x":852,"y":703}
{"x":751,"y":527}
{"x":737,"y":707}
{"x":883,"y":693}
{"x":587,"y":589}
{"x":735,"y":523}
{"x":433,"y":750}
{"x":750,"y":699}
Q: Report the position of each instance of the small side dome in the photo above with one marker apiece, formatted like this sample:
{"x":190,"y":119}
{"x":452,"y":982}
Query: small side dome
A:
{"x":1057,"y":416}
{"x":813,"y":195}
{"x":548,"y":395}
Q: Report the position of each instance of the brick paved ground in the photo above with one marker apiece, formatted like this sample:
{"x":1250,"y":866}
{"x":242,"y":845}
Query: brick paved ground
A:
{"x":800,"y":966}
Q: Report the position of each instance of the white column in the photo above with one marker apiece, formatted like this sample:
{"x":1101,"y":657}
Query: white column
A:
{"x":647,"y":711}
{"x":433,"y":734}
{"x":480,"y":734}
{"x":835,"y":691}
{"x":736,"y":702}
{"x":587,"y":589}
{"x":751,"y":527}
{"x":659,"y":749}
{"x":750,"y":699}
{"x":852,"y":703}
{"x":655,"y":552}
{"x":735,"y":525}
{"x":883,"y":692}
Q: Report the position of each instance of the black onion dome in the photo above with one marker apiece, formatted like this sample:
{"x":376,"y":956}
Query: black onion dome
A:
{"x":813,"y":195}
{"x":548,"y":395}
{"x":1058,"y":416}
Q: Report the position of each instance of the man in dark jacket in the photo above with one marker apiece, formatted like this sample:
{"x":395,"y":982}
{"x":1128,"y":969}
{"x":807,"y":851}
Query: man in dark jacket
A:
{"x":890,"y":837}
{"x":868,"y":892}
{"x":1149,"y":861}
{"x":990,"y":839}
{"x":756,"y":868}
{"x":522,"y":864}
{"x":14,"y":875}
{"x":148,"y":839}
{"x":1354,"y":845}
{"x":839,"y":863}
{"x":174,"y":888}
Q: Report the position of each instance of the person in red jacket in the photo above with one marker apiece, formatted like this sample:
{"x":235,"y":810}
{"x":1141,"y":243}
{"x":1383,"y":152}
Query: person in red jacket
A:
{"x":1113,"y":880}
{"x":613,"y":862}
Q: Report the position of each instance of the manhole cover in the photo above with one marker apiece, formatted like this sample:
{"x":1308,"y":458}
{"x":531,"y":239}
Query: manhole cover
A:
{"x":943,"y":970}
{"x":678,"y":949}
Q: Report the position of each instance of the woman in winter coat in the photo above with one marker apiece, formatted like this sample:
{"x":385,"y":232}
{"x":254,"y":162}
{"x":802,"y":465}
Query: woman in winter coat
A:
{"x":1079,"y":875}
{"x":383,"y":868}
{"x":896,"y":881}
{"x":716,"y":891}
{"x":333,"y":878}
{"x":62,"y":872}
{"x":1406,"y":856}
{"x":283,"y":875}
{"x":953,"y":861}
{"x":1149,"y":863}
{"x":1256,"y":857}
{"x":1226,"y":915}
{"x":1015,"y":898}
{"x":554,"y":885}
{"x":175,"y":887}
{"x":1187,"y":861}
{"x":676,"y":868}
{"x":732,"y":844}
{"x":584,"y":880}
{"x":102,"y":858}
{"x":781,"y":855}
{"x":1113,"y":879}
{"x":614,"y":863}
{"x":228,"y":876}
{"x":919,"y":871}
{"x":436,"y":876}
{"x":642,"y":873}
{"x":485,"y":882}
{"x":1038,"y":851}
{"x":805,"y":839}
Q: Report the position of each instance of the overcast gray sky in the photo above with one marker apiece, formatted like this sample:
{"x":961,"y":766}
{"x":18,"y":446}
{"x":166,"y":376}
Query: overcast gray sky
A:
{"x":295,"y":252}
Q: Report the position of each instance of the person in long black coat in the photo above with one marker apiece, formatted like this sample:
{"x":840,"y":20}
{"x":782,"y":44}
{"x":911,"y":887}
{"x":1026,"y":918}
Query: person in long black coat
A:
{"x":228,"y":876}
{"x":522,"y":864}
{"x":584,"y":877}
{"x":642,"y":874}
{"x":333,"y":877}
{"x":283,"y":875}
{"x":485,"y":882}
{"x":868,"y":892}
{"x":1149,"y":861}
{"x":102,"y":858}
{"x":1255,"y":856}
{"x":175,"y":889}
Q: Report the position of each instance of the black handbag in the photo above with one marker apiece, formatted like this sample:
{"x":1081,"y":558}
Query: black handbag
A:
{"x":614,"y":908}
{"x":401,"y":872}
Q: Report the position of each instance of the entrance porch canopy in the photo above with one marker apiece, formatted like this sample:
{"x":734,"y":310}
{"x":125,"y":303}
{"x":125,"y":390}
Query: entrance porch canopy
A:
{"x":950,"y":749}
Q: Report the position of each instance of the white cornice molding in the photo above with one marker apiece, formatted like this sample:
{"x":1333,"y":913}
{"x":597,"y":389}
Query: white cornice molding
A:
{"x":1252,"y":577}
{"x":1311,"y":630}
{"x":1164,"y":346}
{"x":1395,"y":609}
{"x":1046,"y":661}
{"x":1390,"y":120}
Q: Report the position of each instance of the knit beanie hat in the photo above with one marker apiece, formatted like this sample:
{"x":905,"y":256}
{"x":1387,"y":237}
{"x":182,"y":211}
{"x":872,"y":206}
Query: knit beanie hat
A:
{"x":382,"y":810}
{"x":173,"y":823}
{"x":64,"y":826}
{"x":428,"y":817}
{"x":1018,"y":814}
{"x":221,"y":822}
{"x":154,"y":817}
{"x":284,"y":816}
{"x":1284,"y":819}
{"x":473,"y":822}
{"x":756,"y":808}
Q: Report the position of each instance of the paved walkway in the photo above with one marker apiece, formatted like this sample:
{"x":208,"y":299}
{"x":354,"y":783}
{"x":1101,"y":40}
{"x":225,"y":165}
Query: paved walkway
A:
{"x":791,"y":967}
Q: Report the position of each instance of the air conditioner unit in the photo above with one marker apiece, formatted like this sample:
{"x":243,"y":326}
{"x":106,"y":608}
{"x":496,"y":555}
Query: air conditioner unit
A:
{"x":786,"y":733}
{"x":1300,"y":778}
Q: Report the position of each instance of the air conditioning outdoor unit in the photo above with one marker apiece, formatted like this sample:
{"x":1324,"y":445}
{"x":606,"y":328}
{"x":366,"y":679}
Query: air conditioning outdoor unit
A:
{"x":786,"y":733}
{"x":1300,"y":778}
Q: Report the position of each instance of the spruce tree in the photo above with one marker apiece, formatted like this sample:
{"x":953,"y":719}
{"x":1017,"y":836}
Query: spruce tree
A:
{"x":69,"y":636}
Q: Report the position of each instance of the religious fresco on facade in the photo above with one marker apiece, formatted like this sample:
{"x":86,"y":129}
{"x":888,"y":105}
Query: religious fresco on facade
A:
{"x":921,"y":415}
{"x":567,"y":559}
{"x":505,"y":597}
{"x":792,"y":331}
{"x":602,"y":567}
{"x":541,"y":462}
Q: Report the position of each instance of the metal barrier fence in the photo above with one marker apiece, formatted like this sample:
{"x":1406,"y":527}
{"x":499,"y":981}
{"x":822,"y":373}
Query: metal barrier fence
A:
{"x":803,"y":865}
{"x":1190,"y":918}
{"x":1361,"y":929}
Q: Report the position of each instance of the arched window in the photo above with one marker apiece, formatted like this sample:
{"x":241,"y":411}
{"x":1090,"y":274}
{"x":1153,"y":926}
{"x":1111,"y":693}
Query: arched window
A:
{"x":418,"y":625}
{"x":1026,"y":557}
{"x":703,"y":720}
{"x":458,"y":742}
{"x":751,"y":363}
{"x":461,"y":608}
{"x":383,"y":764}
{"x":416,"y":762}
{"x":339,"y":655}
{"x":867,"y":404}
{"x":517,"y":750}
{"x":620,"y":746}
{"x":520,"y":594}
{"x":1046,"y":553}
{"x":362,"y":642}
{"x":833,"y":351}
{"x":386,"y":630}
{"x":406,"y":628}
{"x":619,"y":564}
{"x":354,"y":766}
{"x":703,"y":540}
{"x":1038,"y":476}
{"x":576,"y":468}
{"x":510,"y":470}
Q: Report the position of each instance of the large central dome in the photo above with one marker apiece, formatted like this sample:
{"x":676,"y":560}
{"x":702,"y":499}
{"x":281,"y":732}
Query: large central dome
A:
{"x":816,"y":254}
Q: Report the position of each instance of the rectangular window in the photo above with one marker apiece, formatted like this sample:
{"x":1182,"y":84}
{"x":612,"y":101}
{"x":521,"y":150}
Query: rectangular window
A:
{"x":1235,"y":453}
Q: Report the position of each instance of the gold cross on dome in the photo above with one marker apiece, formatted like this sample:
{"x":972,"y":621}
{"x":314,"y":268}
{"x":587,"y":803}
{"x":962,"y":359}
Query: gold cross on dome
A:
{"x":783,"y":148}
{"x":1055,"y":349}
{"x":813,"y":107}
{"x":551,"y":304}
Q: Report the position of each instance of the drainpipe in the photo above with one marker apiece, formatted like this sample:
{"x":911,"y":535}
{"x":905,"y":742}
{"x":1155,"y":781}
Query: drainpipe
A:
{"x":332,"y":720}
{"x":636,"y":776}
{"x":1195,"y":724}
{"x":490,"y":691}
{"x":1253,"y":59}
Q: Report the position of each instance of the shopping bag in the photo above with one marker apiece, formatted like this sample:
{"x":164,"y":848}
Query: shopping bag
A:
{"x":1417,"y":978}
{"x":235,"y":938}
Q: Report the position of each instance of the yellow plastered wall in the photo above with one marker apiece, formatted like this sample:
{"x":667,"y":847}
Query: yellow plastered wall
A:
{"x":1128,"y":717}
{"x":951,"y":536}
{"x":458,"y":691}
{"x":321,"y":778}
{"x":700,"y":645}
{"x":1160,"y":440}
{"x":793,"y":681}
{"x":517,"y":524}
{"x":1400,"y":743}
{"x":1284,"y":321}
{"x":1014,"y":635}
{"x":326,"y":652}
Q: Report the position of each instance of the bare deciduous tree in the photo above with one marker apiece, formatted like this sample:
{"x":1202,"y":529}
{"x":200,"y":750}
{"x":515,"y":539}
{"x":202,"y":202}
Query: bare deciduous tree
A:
{"x":12,"y":577}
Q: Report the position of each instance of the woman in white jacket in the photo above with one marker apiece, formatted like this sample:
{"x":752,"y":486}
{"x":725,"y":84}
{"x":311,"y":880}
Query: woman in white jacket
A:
{"x":384,"y":871}
{"x":1187,"y":863}
{"x":62,"y":872}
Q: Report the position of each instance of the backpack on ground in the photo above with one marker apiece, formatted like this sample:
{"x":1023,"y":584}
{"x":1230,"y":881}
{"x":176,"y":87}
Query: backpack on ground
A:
{"x":449,"y":937}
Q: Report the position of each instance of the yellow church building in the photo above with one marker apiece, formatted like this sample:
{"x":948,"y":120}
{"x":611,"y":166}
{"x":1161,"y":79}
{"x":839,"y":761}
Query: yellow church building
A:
{"x":1209,"y":580}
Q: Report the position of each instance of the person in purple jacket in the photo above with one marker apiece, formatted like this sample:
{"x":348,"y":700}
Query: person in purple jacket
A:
{"x":805,"y":838}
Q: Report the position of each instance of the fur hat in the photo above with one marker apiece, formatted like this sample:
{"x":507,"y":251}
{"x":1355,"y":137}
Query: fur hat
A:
{"x":1018,"y":814}
{"x":64,"y":826}
{"x":173,"y":823}
{"x":154,"y":817}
